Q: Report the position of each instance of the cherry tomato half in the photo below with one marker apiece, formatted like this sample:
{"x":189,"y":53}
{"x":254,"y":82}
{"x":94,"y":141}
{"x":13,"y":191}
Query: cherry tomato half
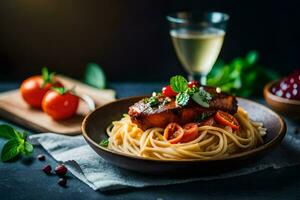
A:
{"x":33,"y":90}
{"x":173,"y":133}
{"x":227,"y":119}
{"x":60,"y":106}
{"x":168,"y":92}
{"x":193,"y":83}
{"x":190,"y":132}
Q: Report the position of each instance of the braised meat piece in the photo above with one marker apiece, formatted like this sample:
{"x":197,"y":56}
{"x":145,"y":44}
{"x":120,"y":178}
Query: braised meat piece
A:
{"x":147,"y":116}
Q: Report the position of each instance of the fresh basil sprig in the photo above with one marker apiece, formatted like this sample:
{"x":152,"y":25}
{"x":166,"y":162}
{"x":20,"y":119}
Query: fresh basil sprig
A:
{"x":243,"y":76}
{"x":180,"y":85}
{"x":16,"y":143}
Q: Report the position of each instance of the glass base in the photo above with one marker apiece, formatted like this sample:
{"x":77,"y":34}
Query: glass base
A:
{"x":198,"y":77}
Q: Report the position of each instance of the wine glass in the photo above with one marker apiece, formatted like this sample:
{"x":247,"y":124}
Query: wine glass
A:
{"x":197,"y":39}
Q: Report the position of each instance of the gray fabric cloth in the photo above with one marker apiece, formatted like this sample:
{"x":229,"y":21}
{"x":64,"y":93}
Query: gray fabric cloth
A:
{"x":89,"y":167}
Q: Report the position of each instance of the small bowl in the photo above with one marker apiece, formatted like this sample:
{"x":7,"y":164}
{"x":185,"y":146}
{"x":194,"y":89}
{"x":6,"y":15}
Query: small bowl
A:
{"x":94,"y":130}
{"x":287,"y":107}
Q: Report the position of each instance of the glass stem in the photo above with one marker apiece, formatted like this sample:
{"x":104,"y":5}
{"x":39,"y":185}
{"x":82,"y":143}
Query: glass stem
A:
{"x":198,"y":77}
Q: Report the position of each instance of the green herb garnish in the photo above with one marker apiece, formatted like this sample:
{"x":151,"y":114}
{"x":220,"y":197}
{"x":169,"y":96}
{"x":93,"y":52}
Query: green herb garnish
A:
{"x":178,"y":83}
{"x":182,"y":98}
{"x":202,"y":98}
{"x":153,"y":101}
{"x":94,"y":76}
{"x":242,"y":76}
{"x":17,"y":143}
{"x":199,"y":95}
{"x":104,"y":143}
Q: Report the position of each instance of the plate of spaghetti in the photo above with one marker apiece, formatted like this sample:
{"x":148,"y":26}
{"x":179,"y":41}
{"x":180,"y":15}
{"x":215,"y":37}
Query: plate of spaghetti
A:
{"x":186,"y":127}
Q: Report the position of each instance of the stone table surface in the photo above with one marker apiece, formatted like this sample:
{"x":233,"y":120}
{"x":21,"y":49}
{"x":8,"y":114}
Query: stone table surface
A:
{"x":24,"y":179}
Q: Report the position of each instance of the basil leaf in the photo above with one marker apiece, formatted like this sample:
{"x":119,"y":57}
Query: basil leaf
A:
{"x":10,"y":150}
{"x":94,"y":76}
{"x":8,"y":132}
{"x":104,"y":143}
{"x":17,"y":143}
{"x":207,"y":96}
{"x":178,"y":83}
{"x":182,"y":98}
{"x":28,"y":148}
{"x":202,"y":98}
{"x":23,"y":135}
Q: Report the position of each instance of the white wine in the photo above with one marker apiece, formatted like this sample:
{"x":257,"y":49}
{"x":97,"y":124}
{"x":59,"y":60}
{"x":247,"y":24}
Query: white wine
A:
{"x":197,"y":50}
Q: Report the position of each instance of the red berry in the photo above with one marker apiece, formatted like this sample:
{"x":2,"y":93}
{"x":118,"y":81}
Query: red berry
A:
{"x":168,"y":92}
{"x":62,"y":182}
{"x":47,"y":169}
{"x":193,"y":83}
{"x":41,"y":157}
{"x":61,"y":170}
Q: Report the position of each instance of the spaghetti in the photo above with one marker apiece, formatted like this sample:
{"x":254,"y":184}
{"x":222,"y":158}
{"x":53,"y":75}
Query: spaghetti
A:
{"x":212,"y":141}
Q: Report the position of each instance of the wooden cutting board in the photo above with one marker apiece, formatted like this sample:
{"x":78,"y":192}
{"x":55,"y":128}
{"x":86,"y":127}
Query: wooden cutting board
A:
{"x":14,"y":108}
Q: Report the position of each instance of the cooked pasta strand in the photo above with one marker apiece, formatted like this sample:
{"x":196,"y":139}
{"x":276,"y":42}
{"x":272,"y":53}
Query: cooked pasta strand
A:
{"x":212,"y":142}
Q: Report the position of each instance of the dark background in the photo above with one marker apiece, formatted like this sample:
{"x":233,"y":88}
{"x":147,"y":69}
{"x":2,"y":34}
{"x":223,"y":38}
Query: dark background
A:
{"x":129,"y":38}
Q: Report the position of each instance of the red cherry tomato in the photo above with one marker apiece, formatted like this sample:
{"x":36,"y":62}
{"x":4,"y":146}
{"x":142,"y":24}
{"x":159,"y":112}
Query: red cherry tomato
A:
{"x":227,"y":119}
{"x":190,"y":132}
{"x":60,"y":106}
{"x":33,"y":90}
{"x":173,"y":133}
{"x":193,"y":83}
{"x":168,"y":92}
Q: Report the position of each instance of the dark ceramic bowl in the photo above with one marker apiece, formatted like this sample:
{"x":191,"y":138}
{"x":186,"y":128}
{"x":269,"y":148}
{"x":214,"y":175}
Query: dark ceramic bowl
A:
{"x":94,"y":130}
{"x":287,"y":107}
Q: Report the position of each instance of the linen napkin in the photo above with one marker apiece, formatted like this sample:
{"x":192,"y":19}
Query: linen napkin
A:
{"x":90,"y":168}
